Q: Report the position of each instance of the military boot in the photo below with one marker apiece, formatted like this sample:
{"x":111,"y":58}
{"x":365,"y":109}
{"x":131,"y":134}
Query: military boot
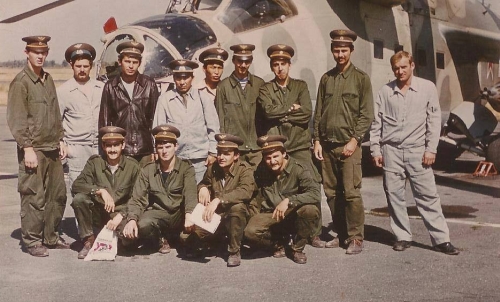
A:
{"x":87,"y":245}
{"x":164,"y":246}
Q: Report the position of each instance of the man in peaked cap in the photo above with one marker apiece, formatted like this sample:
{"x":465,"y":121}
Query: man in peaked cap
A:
{"x":341,"y":119}
{"x":164,"y":195}
{"x":79,"y":103}
{"x":129,"y":101}
{"x":34,"y":120}
{"x":103,"y":188}
{"x":193,"y":113}
{"x":213,"y":65}
{"x":289,"y":197}
{"x":287,"y":108}
{"x":236,"y":103}
{"x":227,"y":188}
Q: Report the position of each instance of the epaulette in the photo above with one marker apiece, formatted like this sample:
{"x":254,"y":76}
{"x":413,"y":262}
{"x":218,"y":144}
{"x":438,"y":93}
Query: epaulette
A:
{"x":131,"y":159}
{"x":94,"y":156}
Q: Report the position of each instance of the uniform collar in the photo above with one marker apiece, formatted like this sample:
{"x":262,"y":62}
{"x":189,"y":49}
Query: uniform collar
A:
{"x":177,"y":165}
{"x":277,"y":87}
{"x":235,"y":81}
{"x":33,"y":76}
{"x":346,"y":73}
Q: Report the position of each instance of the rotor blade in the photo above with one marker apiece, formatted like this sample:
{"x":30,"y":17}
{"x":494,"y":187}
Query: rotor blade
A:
{"x":36,"y":11}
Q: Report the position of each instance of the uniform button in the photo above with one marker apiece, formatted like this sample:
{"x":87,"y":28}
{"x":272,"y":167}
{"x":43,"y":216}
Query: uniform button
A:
{"x":247,"y":147}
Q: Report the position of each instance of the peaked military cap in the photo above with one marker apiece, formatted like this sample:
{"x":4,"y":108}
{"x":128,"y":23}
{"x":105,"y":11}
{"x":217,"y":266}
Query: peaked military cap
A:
{"x":112,"y":133}
{"x":280,"y":51}
{"x":78,"y":50}
{"x":243,"y":51}
{"x":228,"y":141}
{"x":343,"y":37}
{"x":271,"y":143}
{"x":166,"y":133}
{"x":214,"y":54}
{"x":183,"y":66}
{"x":37,"y":42}
{"x":131,"y":48}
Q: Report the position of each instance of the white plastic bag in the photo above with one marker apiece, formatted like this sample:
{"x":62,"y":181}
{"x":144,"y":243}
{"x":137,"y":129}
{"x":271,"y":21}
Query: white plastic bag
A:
{"x":104,"y":247}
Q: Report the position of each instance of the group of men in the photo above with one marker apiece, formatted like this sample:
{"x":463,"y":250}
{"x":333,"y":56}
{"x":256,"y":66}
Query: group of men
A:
{"x":140,"y":162}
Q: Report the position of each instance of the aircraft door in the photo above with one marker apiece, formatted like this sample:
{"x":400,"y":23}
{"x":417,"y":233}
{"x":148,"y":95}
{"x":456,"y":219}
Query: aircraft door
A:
{"x":155,"y":59}
{"x":109,"y":67}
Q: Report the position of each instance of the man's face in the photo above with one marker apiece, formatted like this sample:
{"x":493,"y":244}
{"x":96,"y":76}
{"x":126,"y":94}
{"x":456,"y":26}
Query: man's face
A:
{"x":403,"y":70}
{"x":241,"y":67}
{"x":342,"y":54}
{"x":183,"y":82}
{"x":129,"y":65}
{"x":275,"y":161}
{"x":113,"y":149}
{"x":281,"y":68}
{"x":81,"y":70}
{"x":166,"y":150}
{"x":36,"y":58}
{"x":225,"y":158}
{"x":213,"y":72}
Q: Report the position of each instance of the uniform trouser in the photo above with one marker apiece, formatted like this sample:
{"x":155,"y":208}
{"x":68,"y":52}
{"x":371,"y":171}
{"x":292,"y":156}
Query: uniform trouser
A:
{"x":43,"y":198}
{"x":400,"y":164}
{"x":342,"y":184}
{"x":91,"y":214}
{"x":234,"y":218}
{"x":304,"y":157}
{"x":199,"y":168}
{"x":78,"y":155}
{"x":263,"y":230}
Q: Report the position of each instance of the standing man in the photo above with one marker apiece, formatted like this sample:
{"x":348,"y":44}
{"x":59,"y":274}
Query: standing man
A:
{"x":226,"y":189}
{"x":236,"y":103}
{"x":403,"y":140}
{"x":104,"y":187}
{"x":289,"y":201}
{"x":344,"y":111}
{"x":129,"y":101}
{"x":287,"y":108}
{"x":194,"y":115}
{"x":34,"y":120}
{"x":213,"y":65}
{"x":79,"y":102}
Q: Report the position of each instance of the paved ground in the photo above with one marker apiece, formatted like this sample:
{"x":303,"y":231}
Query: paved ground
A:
{"x":471,"y":205}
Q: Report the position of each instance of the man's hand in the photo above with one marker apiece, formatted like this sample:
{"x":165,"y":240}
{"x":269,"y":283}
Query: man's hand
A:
{"x":204,"y":196}
{"x":318,"y":150}
{"x":30,"y":158}
{"x":350,"y":147}
{"x":130,"y":230}
{"x":188,"y":224}
{"x":109,"y":203}
{"x":294,"y":107}
{"x":210,"y":210}
{"x":63,"y":150}
{"x":378,"y":161}
{"x":113,"y":223}
{"x":429,"y":158}
{"x":210,"y":160}
{"x":279,"y":212}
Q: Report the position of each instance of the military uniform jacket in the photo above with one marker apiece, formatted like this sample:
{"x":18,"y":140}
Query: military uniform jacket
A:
{"x":178,"y":192}
{"x":294,"y":183}
{"x":235,"y":187}
{"x":276,"y":103}
{"x":96,"y":175}
{"x":344,"y":106}
{"x":237,"y":109}
{"x":33,"y":112}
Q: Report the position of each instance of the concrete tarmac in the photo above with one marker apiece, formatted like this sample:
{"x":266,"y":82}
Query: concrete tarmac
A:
{"x":471,"y":205}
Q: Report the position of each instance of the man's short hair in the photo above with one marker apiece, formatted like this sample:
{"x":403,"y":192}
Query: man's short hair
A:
{"x":123,"y":55}
{"x":399,"y":55}
{"x":332,"y":46}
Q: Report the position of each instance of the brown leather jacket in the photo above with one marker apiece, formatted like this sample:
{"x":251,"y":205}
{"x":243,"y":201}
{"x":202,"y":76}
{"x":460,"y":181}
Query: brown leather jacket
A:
{"x":132,"y":114}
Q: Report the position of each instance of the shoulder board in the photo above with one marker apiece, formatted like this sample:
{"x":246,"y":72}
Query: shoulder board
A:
{"x":131,"y":159}
{"x":359,"y":70}
{"x":146,"y":165}
{"x":92,"y":157}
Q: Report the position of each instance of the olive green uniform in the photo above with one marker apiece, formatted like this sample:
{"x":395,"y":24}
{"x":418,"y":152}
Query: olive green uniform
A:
{"x":34,"y":120}
{"x":344,"y":110}
{"x":296,"y":184}
{"x":239,"y":115}
{"x":89,"y":207}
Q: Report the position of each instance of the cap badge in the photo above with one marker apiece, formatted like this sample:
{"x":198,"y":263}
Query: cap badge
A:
{"x":222,"y":136}
{"x":266,"y":144}
{"x":134,"y":43}
{"x":41,"y":38}
{"x":265,"y":137}
{"x":79,"y":51}
{"x":182,"y":61}
{"x":281,"y":46}
{"x":243,"y":46}
{"x":220,"y":50}
{"x":77,"y":45}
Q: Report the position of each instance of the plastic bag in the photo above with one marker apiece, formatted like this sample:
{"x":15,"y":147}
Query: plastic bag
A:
{"x":104,"y":247}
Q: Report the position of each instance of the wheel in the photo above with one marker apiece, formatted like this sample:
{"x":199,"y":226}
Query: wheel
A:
{"x":446,"y":155}
{"x":493,"y":153}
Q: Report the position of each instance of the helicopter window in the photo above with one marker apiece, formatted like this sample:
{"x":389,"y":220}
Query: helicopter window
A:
{"x":155,"y":59}
{"x":378,"y":49}
{"x":243,"y":15}
{"x":421,"y":57}
{"x":398,"y":48}
{"x":109,"y":60}
{"x":440,"y":60}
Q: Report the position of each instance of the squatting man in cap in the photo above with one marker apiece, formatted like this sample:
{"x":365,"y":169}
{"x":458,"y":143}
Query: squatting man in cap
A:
{"x":163,"y":197}
{"x":129,"y":101}
{"x":213,"y":66}
{"x":287,"y":108}
{"x":227,"y":188}
{"x":403,"y":140}
{"x":104,"y":187}
{"x":34,"y":120}
{"x":79,"y":102}
{"x":344,"y":111}
{"x":289,"y":199}
{"x":193,"y":114}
